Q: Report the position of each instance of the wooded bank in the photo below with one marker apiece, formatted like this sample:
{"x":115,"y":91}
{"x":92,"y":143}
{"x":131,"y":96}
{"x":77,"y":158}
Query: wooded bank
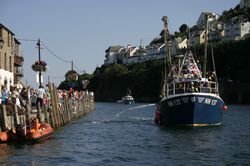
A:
{"x":110,"y":82}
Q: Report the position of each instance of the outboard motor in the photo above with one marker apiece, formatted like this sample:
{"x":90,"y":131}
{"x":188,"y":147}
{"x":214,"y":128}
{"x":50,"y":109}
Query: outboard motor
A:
{"x":21,"y":130}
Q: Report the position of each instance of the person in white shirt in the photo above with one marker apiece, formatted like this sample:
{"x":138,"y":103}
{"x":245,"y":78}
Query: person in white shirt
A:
{"x":40,"y":94}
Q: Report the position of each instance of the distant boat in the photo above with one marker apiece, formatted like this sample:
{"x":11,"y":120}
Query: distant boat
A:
{"x":190,"y":97}
{"x":128,"y":99}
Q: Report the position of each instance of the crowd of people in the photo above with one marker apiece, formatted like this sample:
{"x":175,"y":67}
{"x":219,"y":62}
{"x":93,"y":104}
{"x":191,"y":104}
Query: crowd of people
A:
{"x":41,"y":96}
{"x":23,"y":96}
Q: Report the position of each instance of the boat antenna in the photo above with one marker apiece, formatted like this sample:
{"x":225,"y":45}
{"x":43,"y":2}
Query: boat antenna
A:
{"x":205,"y":51}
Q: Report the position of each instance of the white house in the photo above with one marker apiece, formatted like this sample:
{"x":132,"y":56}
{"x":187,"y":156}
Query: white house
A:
{"x":132,"y":54}
{"x":236,"y":28}
{"x":7,"y":48}
{"x":202,"y":19}
{"x":131,"y":50}
{"x":112,"y":54}
{"x":136,"y":55}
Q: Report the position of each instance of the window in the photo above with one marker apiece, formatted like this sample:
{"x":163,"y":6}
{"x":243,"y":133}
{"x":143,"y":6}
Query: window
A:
{"x":1,"y":35}
{"x":5,"y":61}
{"x":0,"y":60}
{"x":8,"y":39}
{"x":10,"y":62}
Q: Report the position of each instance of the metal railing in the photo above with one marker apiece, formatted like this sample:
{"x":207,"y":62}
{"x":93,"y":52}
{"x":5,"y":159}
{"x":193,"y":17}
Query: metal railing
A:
{"x":192,"y":87}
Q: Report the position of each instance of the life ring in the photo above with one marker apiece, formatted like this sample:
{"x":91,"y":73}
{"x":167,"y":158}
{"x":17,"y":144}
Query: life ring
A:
{"x":224,"y":108}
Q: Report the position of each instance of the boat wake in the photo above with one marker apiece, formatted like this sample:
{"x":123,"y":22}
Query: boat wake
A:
{"x":134,"y":108}
{"x":142,"y":118}
{"x":141,"y":106}
{"x":119,"y":113}
{"x":118,"y":118}
{"x":129,"y":120}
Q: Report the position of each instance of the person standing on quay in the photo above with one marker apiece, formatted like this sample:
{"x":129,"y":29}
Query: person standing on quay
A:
{"x":5,"y":96}
{"x":40,"y":94}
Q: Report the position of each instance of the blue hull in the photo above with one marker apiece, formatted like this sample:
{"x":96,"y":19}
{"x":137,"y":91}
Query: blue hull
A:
{"x":193,"y":109}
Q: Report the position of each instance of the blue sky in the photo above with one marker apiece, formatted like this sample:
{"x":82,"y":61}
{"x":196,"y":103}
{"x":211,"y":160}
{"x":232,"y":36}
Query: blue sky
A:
{"x":81,"y":30}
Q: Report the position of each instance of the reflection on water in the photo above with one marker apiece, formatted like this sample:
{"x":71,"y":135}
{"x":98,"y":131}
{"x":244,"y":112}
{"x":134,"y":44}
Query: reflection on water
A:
{"x":4,"y":151}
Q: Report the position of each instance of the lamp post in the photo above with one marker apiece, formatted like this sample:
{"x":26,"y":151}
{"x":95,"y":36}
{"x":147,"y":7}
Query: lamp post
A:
{"x":39,"y":59}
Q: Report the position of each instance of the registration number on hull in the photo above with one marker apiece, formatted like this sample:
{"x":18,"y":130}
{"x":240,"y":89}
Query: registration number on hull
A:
{"x":185,"y":100}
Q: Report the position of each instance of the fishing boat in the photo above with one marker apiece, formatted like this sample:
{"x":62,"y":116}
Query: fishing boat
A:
{"x":190,"y":95}
{"x":127,"y":99}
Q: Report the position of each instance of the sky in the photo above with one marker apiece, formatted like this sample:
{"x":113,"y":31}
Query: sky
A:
{"x":81,"y":30}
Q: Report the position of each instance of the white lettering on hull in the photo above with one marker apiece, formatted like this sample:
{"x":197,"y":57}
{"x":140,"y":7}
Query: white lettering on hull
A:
{"x":186,"y":100}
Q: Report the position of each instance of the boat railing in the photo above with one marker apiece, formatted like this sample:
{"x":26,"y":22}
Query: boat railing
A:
{"x":192,"y":87}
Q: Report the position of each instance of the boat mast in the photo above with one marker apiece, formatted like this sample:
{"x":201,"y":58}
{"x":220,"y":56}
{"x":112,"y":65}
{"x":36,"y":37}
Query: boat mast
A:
{"x":166,"y":42}
{"x":205,"y":51}
{"x":213,"y":61}
{"x":167,"y":57}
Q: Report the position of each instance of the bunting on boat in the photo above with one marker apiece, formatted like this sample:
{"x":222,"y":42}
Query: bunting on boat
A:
{"x":189,"y":68}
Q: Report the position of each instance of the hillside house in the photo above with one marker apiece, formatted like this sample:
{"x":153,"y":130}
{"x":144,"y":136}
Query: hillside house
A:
{"x":236,"y":28}
{"x":10,"y":59}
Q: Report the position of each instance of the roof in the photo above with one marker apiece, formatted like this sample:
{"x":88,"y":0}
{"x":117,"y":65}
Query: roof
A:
{"x":207,"y":13}
{"x":2,"y":26}
{"x":113,"y":49}
{"x":16,"y":41}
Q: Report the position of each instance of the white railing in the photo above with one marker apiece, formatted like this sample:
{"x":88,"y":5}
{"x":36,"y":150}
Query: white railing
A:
{"x":192,"y":87}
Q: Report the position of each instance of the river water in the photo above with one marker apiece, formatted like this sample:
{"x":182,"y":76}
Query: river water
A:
{"x":117,"y":134}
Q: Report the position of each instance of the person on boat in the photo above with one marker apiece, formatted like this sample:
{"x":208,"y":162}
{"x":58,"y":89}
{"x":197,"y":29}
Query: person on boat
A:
{"x":196,"y":87}
{"x":212,"y":77}
{"x":206,"y":87}
{"x":189,"y":87}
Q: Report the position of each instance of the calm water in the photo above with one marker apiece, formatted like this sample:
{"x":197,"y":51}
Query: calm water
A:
{"x":116,"y":134}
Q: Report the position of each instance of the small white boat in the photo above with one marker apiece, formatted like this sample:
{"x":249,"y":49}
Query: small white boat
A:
{"x":128,"y":99}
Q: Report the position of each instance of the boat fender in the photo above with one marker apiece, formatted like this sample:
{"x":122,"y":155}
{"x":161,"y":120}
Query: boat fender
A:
{"x":224,"y":108}
{"x":157,"y":115}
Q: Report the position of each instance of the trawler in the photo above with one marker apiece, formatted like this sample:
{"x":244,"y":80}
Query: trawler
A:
{"x":190,"y":95}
